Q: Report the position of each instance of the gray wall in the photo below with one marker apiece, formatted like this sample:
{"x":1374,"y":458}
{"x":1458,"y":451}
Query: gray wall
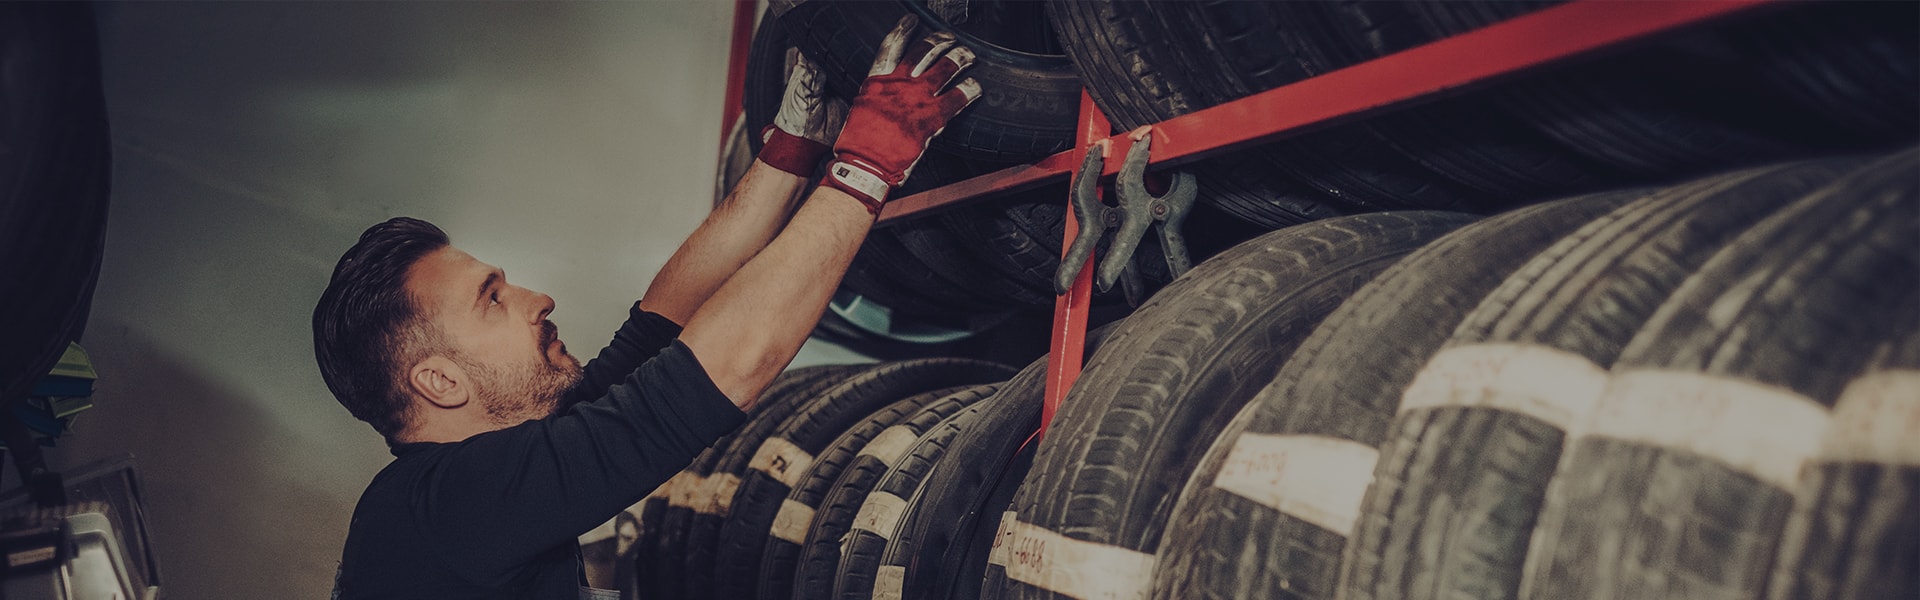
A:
{"x":571,"y":144}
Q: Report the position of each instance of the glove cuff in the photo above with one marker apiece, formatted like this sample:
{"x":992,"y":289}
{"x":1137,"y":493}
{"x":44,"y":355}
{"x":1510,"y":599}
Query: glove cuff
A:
{"x":859,"y":180}
{"x":789,"y":152}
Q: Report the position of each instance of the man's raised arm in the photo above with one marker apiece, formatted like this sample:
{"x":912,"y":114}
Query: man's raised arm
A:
{"x":750,"y":328}
{"x":760,"y":203}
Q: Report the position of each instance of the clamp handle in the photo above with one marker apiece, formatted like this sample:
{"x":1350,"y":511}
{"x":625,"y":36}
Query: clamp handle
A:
{"x":1091,"y":215}
{"x":1140,"y":209}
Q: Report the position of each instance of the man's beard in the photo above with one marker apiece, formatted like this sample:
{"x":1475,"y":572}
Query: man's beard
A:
{"x":519,"y":393}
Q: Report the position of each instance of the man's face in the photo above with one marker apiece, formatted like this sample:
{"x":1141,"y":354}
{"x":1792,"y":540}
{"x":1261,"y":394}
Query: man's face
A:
{"x":497,"y":332}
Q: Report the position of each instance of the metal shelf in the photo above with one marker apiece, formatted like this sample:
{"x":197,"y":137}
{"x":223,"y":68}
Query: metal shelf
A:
{"x":1457,"y":64}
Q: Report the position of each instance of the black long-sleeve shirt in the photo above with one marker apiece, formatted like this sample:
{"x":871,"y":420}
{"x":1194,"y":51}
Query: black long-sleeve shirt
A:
{"x":497,"y":515}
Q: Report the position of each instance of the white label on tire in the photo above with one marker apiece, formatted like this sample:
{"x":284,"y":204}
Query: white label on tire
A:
{"x":890,"y":444}
{"x":888,"y":581}
{"x":720,"y":489}
{"x":1003,"y":539}
{"x":1076,"y":568}
{"x":880,"y":514}
{"x":792,"y":522}
{"x":688,"y":491}
{"x":1552,"y":385}
{"x":1877,"y":421}
{"x":782,"y":460}
{"x":1757,"y":429}
{"x":666,"y":489}
{"x":1317,"y":479}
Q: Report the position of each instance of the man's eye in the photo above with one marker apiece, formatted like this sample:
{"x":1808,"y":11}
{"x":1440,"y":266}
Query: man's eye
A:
{"x":494,"y":298}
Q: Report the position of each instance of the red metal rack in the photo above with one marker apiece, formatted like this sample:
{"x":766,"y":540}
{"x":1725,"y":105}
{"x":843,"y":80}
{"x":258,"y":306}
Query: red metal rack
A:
{"x":1456,"y":64}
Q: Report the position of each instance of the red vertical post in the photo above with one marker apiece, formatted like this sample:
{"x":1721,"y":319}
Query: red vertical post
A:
{"x":1070,"y":309}
{"x":743,"y":13}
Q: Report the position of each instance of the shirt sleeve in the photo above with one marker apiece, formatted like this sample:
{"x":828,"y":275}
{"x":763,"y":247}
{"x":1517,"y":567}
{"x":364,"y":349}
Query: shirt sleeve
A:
{"x":499,"y":498}
{"x":639,"y":339}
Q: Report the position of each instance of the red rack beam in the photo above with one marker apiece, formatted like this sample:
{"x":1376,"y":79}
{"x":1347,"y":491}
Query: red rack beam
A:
{"x":1070,"y":309}
{"x":734,"y":103}
{"x":1458,"y":63}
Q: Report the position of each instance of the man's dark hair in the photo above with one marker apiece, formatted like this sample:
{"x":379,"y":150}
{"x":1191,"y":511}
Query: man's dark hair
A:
{"x":367,"y":328}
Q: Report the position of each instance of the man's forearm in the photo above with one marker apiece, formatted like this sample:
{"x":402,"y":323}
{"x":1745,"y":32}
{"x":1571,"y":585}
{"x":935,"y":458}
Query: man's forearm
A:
{"x":750,"y":216}
{"x":748,"y":331}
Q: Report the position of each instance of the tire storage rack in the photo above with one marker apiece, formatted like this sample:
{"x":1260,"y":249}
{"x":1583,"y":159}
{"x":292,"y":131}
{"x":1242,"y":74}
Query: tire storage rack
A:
{"x":1705,"y":384}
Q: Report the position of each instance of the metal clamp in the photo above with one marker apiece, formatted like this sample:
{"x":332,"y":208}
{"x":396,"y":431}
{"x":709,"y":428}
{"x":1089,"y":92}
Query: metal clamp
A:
{"x":1136,"y":210}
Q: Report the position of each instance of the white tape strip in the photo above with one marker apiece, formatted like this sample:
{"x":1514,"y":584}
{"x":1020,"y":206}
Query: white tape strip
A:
{"x":720,"y":489}
{"x":604,"y":531}
{"x":1075,"y":568}
{"x":1757,"y":429}
{"x":792,"y":522}
{"x":890,"y":444}
{"x":1003,"y":539}
{"x":1317,"y":479}
{"x":1552,"y":385}
{"x":1877,"y":421}
{"x":781,"y":459}
{"x":688,"y":492}
{"x":666,"y":489}
{"x":880,"y":514}
{"x":888,"y":581}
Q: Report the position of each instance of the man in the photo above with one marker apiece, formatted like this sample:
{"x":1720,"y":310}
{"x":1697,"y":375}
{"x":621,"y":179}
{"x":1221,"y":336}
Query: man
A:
{"x":506,"y":448}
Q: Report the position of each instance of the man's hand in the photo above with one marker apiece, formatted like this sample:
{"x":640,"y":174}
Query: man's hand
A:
{"x":808,"y":120}
{"x":903,"y":103}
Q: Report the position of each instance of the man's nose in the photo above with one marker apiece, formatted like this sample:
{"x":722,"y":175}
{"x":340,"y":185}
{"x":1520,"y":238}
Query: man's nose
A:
{"x":544,"y":304}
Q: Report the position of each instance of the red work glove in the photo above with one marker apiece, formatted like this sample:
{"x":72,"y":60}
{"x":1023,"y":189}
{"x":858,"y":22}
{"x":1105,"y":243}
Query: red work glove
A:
{"x":902,"y":105}
{"x":807,"y":123}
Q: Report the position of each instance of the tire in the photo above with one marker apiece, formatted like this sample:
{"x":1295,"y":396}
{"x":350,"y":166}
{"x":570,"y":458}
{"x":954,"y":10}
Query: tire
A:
{"x":1031,"y":100}
{"x":1759,"y":342}
{"x":54,"y":175}
{"x":1139,"y":72}
{"x":666,"y":513}
{"x":1678,"y":105}
{"x":1462,"y":139}
{"x":740,"y":569}
{"x":1117,"y":50}
{"x":1181,"y":366}
{"x":1852,"y":66}
{"x":1855,"y":528}
{"x":912,"y":267}
{"x":804,"y":434}
{"x":941,"y":543}
{"x":874,"y":526}
{"x":1232,"y":537}
{"x":1458,"y":483}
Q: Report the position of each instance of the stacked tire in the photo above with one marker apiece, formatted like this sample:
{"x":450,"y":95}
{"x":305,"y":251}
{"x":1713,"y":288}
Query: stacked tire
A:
{"x":1800,"y":81}
{"x":1706,"y":389}
{"x":1646,"y":325}
{"x":1697,"y":390}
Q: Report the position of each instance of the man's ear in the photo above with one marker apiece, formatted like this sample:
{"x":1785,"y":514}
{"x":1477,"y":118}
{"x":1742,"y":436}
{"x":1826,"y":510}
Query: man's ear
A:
{"x":441,"y":381}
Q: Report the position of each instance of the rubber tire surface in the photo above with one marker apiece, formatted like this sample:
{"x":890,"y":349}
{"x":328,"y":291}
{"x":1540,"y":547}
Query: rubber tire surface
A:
{"x":1172,"y":375}
{"x":1801,"y":303}
{"x":54,"y":176}
{"x":865,"y":544}
{"x":1463,"y":139}
{"x":744,"y":534}
{"x":1028,"y":107}
{"x":1857,"y":535}
{"x":811,"y":428}
{"x":914,"y":268}
{"x":1345,"y":382}
{"x":1680,"y":105}
{"x":937,"y":538}
{"x":1457,"y":488}
{"x":663,"y":526}
{"x":1135,"y":76}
